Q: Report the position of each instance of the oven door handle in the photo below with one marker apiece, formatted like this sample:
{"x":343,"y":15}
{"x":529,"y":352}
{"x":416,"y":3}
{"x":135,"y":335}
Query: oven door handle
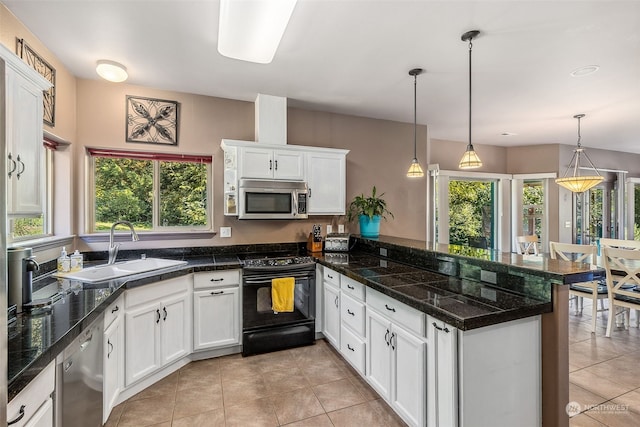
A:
{"x":267,"y":279}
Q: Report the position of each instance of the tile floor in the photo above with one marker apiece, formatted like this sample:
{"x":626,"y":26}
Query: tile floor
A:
{"x":604,"y":380}
{"x":306,"y":386}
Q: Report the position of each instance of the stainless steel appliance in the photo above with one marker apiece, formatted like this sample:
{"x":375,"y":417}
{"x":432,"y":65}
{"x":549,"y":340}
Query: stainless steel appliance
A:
{"x":270,"y":199}
{"x":80,"y":379}
{"x":336,"y":242}
{"x":21,"y":267}
{"x":262,"y":329}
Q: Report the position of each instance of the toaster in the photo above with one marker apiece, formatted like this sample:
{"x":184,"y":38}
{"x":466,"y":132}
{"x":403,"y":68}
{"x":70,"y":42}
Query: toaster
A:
{"x":336,"y":242}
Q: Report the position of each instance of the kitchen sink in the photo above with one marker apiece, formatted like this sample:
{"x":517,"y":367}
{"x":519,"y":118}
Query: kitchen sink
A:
{"x":104,"y":272}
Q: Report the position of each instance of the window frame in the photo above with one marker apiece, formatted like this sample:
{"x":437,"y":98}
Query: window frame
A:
{"x":155,"y":157}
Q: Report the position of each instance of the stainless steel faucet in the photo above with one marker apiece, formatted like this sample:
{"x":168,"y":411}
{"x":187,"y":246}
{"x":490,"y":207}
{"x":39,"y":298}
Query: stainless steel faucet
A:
{"x":113,"y":247}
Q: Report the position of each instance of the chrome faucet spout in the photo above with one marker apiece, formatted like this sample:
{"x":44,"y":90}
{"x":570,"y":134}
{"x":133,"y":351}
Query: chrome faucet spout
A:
{"x":113,"y":247}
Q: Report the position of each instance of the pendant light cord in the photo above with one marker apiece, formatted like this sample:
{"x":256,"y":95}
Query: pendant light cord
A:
{"x":579,"y":137}
{"x":470,"y":48}
{"x":415,"y":114}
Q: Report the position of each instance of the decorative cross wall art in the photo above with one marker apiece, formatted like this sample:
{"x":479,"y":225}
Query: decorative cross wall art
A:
{"x":29,"y":56}
{"x":153,"y":121}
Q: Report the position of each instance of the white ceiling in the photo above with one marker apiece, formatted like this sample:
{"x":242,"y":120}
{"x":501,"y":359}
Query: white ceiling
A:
{"x":353,"y":57}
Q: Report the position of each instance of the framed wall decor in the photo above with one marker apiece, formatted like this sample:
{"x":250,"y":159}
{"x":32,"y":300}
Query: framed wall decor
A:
{"x":30,"y":56}
{"x":152,"y":121}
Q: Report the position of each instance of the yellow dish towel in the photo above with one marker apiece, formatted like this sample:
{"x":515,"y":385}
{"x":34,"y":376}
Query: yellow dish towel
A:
{"x":282,"y":294}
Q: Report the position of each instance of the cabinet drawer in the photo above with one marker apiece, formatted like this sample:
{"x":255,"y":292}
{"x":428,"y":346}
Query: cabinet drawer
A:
{"x":396,"y":311}
{"x":32,"y":396}
{"x":351,"y":287}
{"x":113,"y":311}
{"x":353,"y":349}
{"x":331,"y":276}
{"x":214,"y":279}
{"x":156,"y":291}
{"x":353,"y":314}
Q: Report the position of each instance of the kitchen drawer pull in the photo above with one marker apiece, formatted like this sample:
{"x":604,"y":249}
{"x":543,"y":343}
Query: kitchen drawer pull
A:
{"x":158,"y":313}
{"x":21,"y":416}
{"x":115,"y":309}
{"x":329,"y":276}
{"x":217,"y":280}
{"x":390,"y":308}
{"x":23,"y":167}
{"x":350,"y":312}
{"x":350,"y":348}
{"x":15,"y":165}
{"x":217,"y":292}
{"x":351,"y":287}
{"x":386,"y":337}
{"x":445,"y":329}
{"x":164,"y":309}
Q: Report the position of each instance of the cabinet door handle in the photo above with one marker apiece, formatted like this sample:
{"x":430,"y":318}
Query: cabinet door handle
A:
{"x":217,"y":280}
{"x":350,"y":348}
{"x":158,"y":313}
{"x":270,"y":164}
{"x":390,"y":308}
{"x":336,"y":301}
{"x":15,"y":165}
{"x":351,"y":287}
{"x":115,"y":309}
{"x":164,"y":309}
{"x":445,"y":329}
{"x":386,"y":337}
{"x":217,"y":292}
{"x":309,"y":192}
{"x":393,"y":335}
{"x":350,"y":312}
{"x":21,"y":170}
{"x":110,"y":348}
{"x":21,"y":416}
{"x":276,"y":162}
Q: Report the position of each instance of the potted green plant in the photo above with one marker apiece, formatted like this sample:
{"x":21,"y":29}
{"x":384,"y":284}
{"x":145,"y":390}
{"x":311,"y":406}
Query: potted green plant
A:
{"x":369,"y":211}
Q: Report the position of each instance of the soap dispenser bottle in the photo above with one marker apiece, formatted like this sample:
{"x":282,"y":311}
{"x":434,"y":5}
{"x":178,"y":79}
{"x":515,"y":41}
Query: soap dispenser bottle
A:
{"x":76,"y":261}
{"x":64,"y":262}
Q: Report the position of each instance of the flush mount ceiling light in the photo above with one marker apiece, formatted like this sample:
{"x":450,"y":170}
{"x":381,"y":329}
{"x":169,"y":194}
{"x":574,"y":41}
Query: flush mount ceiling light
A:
{"x":576,"y":182}
{"x":111,"y":71}
{"x":470,"y":159}
{"x":251,"y":30}
{"x":585,"y":71}
{"x":415,"y":170}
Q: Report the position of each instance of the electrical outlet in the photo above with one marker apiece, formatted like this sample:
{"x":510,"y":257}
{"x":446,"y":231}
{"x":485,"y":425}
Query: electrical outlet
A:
{"x":383,"y":251}
{"x":340,"y":228}
{"x":225,"y":231}
{"x":329,"y":228}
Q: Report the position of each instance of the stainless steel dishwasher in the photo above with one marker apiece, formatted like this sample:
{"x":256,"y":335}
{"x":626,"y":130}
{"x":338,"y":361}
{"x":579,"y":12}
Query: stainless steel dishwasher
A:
{"x":80,"y":378}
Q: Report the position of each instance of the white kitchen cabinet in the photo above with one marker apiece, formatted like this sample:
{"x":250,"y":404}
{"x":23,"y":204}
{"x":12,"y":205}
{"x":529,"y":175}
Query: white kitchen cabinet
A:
{"x":33,"y":406}
{"x":216,"y":314}
{"x":353,"y":322}
{"x":23,"y":132}
{"x":113,"y":374}
{"x":442,"y":369}
{"x":331,"y":304}
{"x":157,"y":326}
{"x":396,"y":359}
{"x":268,"y":163}
{"x":326,"y":176}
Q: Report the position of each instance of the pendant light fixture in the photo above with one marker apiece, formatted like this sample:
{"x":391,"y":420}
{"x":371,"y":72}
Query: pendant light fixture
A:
{"x":470,"y":159}
{"x":415,"y":170}
{"x":576,"y":182}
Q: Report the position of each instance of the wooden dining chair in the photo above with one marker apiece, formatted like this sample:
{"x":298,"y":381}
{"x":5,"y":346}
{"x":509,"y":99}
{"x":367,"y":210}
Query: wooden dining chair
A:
{"x":623,"y":283}
{"x":594,"y":290}
{"x":620,"y":243}
{"x":526,"y":245}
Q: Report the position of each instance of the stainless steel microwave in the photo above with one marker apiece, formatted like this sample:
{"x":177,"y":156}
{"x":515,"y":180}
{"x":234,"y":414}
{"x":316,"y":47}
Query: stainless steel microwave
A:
{"x":271,"y":199}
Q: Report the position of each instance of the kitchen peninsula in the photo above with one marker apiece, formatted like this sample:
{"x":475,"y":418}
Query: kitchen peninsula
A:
{"x":467,"y":289}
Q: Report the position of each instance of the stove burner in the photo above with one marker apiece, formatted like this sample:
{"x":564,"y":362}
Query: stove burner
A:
{"x":277,"y":262}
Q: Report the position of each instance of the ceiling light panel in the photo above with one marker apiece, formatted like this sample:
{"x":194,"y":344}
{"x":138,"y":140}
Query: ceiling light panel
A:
{"x":251,"y":30}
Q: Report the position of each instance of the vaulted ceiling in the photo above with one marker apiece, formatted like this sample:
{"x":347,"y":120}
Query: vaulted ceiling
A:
{"x":353,"y":57}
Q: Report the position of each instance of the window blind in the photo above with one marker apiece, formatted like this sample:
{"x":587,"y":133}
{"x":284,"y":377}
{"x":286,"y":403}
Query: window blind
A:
{"x":146,"y":155}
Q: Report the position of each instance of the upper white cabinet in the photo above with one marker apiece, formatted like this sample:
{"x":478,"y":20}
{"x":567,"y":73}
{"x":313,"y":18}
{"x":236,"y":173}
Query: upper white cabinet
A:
{"x":324,"y":170}
{"x":266,"y":163}
{"x":23,"y":107}
{"x":327,"y":182}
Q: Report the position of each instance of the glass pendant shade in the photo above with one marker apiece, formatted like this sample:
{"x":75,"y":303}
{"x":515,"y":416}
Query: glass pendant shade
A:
{"x":415,"y":170}
{"x":573,"y":181}
{"x":470,"y":159}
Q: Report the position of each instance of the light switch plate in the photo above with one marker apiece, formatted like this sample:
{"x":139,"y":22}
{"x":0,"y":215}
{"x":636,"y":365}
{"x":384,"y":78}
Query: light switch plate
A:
{"x":329,"y":229}
{"x":340,"y":228}
{"x":225,"y":231}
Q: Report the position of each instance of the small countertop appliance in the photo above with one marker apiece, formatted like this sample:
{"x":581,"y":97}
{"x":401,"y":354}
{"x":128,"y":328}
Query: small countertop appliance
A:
{"x":336,"y":242}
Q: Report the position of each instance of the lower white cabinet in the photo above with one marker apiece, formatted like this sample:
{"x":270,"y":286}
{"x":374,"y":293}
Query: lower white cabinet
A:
{"x":157,"y":326}
{"x":216,"y":318}
{"x":442,"y":369}
{"x":33,"y":406}
{"x":396,"y":366}
{"x":331,"y":304}
{"x":113,"y":374}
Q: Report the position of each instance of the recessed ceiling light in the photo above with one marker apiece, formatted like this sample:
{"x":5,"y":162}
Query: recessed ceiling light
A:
{"x":585,"y":71}
{"x":111,"y":71}
{"x":508,"y":134}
